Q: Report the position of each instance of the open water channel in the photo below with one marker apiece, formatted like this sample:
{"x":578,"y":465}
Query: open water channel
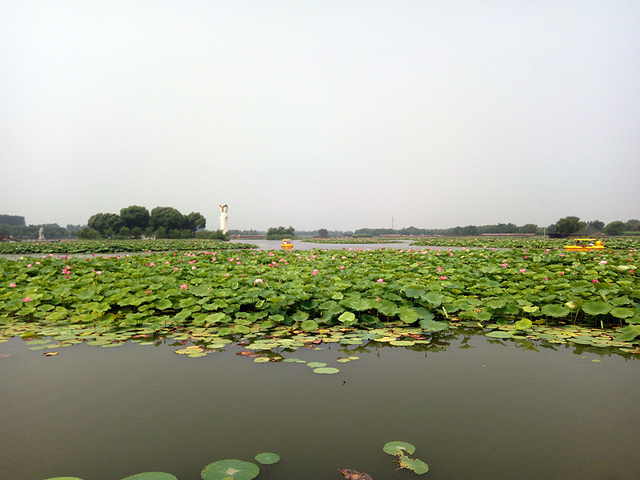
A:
{"x":475,"y":408}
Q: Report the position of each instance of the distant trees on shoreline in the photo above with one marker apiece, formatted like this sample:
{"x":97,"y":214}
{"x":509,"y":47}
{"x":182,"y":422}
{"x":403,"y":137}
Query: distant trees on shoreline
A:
{"x":135,"y":221}
{"x":168,"y":222}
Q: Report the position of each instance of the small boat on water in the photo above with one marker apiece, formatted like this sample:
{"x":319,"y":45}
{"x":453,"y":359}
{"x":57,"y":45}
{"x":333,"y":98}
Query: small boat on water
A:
{"x":584,"y":245}
{"x":286,"y":244}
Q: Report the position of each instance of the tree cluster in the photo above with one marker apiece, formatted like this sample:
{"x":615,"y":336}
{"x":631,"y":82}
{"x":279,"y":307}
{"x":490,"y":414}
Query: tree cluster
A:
{"x":574,"y":226}
{"x":135,"y":221}
{"x":278,"y":233}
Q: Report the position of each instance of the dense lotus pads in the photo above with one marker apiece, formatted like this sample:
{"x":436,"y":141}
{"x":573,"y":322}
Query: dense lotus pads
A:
{"x":235,"y":291}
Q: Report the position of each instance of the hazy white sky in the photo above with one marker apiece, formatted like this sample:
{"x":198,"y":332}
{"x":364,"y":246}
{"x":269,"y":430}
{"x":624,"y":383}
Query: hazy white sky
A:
{"x":321,"y":114}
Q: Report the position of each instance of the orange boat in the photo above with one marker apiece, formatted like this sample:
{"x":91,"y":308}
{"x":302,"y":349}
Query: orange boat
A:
{"x":286,"y":244}
{"x":584,"y":245}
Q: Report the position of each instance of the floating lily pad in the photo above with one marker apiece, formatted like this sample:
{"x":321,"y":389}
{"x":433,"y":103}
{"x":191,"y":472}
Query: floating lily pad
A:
{"x":151,"y":476}
{"x":402,"y":343}
{"x":63,"y":478}
{"x":316,"y":364}
{"x":230,"y":469}
{"x":417,"y":466}
{"x":326,"y":370}
{"x":398,"y":448}
{"x":499,"y":334}
{"x":267,"y":458}
{"x":261,"y":360}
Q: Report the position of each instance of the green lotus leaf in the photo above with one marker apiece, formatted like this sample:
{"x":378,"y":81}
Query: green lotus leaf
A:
{"x":151,"y":476}
{"x":267,"y":458}
{"x":309,"y":325}
{"x":347,"y":317}
{"x":316,"y":364}
{"x":628,"y":333}
{"x":622,"y":312}
{"x":434,"y":298}
{"x":64,"y":478}
{"x":417,"y":466}
{"x":230,"y":469}
{"x":414,"y":291}
{"x":408,"y":314}
{"x":326,"y":370}
{"x":534,"y":308}
{"x":523,"y":324}
{"x":398,"y":448}
{"x":163,"y":304}
{"x":433,"y":326}
{"x":499,"y":334}
{"x":300,"y":316}
{"x":596,"y":308}
{"x":402,"y":343}
{"x":555,"y":310}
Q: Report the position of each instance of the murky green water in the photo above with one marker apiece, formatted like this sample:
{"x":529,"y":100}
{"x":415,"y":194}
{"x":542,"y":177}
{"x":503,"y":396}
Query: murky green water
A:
{"x":474,"y":411}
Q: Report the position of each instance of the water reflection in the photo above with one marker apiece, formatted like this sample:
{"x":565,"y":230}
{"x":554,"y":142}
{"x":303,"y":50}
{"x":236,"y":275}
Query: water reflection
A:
{"x":474,"y":407}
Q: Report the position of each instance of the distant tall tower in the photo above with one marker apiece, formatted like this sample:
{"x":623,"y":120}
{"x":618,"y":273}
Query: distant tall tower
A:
{"x":224,"y":209}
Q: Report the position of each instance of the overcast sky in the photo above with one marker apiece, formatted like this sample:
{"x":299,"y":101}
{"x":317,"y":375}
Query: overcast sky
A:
{"x":321,"y":114}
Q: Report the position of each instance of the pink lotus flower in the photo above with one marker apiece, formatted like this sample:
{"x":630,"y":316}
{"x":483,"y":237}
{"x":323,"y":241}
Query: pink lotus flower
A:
{"x":595,"y":280}
{"x":380,"y":280}
{"x":183,"y":286}
{"x":315,"y":271}
{"x":341,"y":267}
{"x":258,"y":280}
{"x":26,"y":299}
{"x":175,"y":269}
{"x":522,"y":270}
{"x":12,"y":285}
{"x":504,"y":265}
{"x":443,"y":277}
{"x":439,"y":269}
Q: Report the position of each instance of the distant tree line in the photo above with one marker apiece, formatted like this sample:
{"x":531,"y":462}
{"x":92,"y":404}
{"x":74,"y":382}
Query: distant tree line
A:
{"x":564,"y":227}
{"x":135,"y":221}
{"x":278,"y":233}
{"x":14,"y":226}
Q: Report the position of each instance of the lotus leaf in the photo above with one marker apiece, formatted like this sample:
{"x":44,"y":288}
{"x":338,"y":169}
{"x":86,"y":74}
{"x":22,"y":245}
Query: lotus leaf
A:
{"x":555,"y":310}
{"x":63,"y":478}
{"x":622,"y":312}
{"x":596,"y":308}
{"x":230,"y":469}
{"x":316,"y":364}
{"x":402,"y":343}
{"x":267,"y":458}
{"x":347,"y":317}
{"x":326,"y":370}
{"x":523,"y":324}
{"x":398,"y":448}
{"x":417,"y":466}
{"x":151,"y":476}
{"x":433,"y":326}
{"x":499,"y":334}
{"x":309,"y":325}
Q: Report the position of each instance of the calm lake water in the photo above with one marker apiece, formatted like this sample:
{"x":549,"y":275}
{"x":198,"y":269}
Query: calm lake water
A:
{"x":300,"y":245}
{"x":474,"y":410}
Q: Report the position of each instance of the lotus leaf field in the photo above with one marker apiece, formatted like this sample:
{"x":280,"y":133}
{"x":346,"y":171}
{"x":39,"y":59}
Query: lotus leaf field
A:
{"x":293,"y":298}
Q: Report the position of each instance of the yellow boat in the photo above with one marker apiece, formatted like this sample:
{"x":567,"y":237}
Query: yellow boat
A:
{"x":286,"y":244}
{"x":584,"y":245}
